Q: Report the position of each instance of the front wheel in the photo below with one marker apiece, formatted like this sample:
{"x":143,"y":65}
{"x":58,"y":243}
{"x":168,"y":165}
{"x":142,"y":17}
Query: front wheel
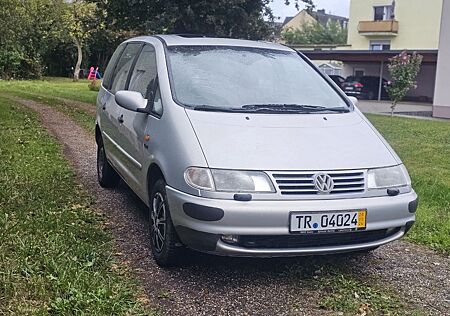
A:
{"x":164,"y":241}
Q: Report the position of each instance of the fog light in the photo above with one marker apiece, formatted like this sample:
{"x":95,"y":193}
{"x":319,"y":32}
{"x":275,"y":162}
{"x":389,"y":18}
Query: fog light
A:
{"x":230,"y":239}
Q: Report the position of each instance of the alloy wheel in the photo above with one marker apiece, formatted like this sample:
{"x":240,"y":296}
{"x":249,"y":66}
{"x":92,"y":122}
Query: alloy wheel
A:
{"x":158,"y":222}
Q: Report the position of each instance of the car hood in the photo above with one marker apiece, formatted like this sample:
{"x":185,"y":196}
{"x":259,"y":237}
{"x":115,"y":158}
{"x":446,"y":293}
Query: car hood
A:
{"x":289,"y":141}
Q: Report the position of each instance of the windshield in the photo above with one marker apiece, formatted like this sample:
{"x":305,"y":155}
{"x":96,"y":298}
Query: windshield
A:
{"x":211,"y":77}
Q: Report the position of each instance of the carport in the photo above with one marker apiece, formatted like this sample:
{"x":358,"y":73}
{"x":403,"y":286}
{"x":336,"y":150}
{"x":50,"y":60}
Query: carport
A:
{"x":374,"y":63}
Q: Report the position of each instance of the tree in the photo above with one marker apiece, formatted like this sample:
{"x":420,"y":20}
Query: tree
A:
{"x":29,"y":29}
{"x":404,"y":69}
{"x":316,"y":33}
{"x":225,"y":18}
{"x":81,"y":19}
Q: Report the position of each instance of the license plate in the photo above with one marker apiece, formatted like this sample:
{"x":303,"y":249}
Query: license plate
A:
{"x":309,"y":222}
{"x":349,"y":88}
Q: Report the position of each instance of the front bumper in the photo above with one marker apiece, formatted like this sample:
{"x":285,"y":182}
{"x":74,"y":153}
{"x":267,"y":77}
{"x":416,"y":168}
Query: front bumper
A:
{"x":203,"y":232}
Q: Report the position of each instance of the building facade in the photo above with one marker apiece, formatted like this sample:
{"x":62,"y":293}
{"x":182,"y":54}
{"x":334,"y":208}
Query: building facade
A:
{"x":381,"y":29}
{"x":395,"y":25}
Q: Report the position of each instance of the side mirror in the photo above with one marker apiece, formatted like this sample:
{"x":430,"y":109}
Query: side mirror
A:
{"x":131,"y":100}
{"x":354,"y":101}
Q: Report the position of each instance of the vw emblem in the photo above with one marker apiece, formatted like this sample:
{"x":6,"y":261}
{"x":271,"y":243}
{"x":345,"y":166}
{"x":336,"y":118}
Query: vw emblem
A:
{"x":323,"y":182}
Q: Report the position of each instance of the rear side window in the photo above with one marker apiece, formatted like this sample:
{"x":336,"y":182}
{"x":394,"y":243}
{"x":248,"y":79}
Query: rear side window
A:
{"x":144,"y":73}
{"x":111,"y":65}
{"x":123,"y":67}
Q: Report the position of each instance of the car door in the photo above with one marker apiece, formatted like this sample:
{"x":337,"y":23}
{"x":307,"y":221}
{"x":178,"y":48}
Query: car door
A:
{"x":131,"y":139}
{"x":103,"y":99}
{"x":117,"y":155}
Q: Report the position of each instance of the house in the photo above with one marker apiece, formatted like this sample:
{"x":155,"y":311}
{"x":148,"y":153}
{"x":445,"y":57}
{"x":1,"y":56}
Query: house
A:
{"x":381,"y":29}
{"x":309,"y":17}
{"x":330,"y":68}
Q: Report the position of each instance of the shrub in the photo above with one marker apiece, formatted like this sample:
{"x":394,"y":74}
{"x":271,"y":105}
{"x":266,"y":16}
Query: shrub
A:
{"x":94,"y":85}
{"x":404,"y":69}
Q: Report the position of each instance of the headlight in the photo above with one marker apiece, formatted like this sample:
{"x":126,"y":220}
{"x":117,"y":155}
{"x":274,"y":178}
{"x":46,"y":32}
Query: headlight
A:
{"x":228,"y":180}
{"x":199,"y":178}
{"x":241,"y":181}
{"x":382,"y":178}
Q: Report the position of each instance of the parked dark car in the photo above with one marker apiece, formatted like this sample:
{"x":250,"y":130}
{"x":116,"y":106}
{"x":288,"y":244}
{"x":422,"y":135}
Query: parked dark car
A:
{"x":337,"y":79}
{"x":366,"y":87}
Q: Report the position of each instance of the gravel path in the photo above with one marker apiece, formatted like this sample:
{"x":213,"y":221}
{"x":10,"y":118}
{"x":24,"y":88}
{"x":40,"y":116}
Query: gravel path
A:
{"x":88,"y":108}
{"x":208,"y":285}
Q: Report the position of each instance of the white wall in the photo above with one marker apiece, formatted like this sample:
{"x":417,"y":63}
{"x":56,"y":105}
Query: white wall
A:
{"x":442,"y":92}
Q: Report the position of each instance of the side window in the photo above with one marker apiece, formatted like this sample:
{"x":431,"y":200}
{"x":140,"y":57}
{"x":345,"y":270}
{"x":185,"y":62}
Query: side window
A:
{"x":111,"y":65}
{"x":144,"y":72}
{"x":123,"y":67}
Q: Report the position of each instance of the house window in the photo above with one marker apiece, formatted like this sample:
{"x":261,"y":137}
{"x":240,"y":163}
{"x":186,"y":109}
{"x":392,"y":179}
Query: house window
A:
{"x":380,"y":45}
{"x":383,"y":13}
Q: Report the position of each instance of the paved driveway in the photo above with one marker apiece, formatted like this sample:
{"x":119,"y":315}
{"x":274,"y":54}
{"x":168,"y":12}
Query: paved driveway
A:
{"x":403,"y":108}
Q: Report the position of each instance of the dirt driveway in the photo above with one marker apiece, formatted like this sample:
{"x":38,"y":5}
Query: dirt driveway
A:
{"x":208,"y":285}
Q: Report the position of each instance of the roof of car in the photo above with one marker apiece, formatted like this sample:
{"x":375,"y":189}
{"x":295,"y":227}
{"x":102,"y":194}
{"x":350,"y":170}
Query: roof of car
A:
{"x":199,"y":40}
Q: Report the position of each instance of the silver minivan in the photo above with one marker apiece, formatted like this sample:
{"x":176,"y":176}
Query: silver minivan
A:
{"x":243,"y":148}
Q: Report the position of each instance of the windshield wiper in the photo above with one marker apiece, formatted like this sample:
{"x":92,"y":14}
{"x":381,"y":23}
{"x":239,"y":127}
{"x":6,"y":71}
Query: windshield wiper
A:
{"x":293,"y":108}
{"x":212,"y":108}
{"x":270,"y":108}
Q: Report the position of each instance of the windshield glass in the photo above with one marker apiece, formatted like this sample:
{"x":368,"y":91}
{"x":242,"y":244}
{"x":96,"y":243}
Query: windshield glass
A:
{"x":236,"y":77}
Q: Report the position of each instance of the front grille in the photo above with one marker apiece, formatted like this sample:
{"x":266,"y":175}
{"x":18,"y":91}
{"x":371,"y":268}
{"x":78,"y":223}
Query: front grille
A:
{"x":302,"y":183}
{"x":314,"y":239}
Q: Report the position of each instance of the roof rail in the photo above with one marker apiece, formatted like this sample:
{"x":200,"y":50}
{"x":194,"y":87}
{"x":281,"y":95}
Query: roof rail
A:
{"x":188,"y":35}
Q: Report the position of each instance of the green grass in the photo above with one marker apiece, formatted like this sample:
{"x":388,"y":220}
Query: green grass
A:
{"x":424,"y":147}
{"x":51,"y":87}
{"x":49,"y":90}
{"x":344,"y":291}
{"x":345,"y":294}
{"x":55,"y":257}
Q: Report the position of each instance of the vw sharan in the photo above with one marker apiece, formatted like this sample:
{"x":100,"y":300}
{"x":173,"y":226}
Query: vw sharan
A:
{"x":244,"y":148}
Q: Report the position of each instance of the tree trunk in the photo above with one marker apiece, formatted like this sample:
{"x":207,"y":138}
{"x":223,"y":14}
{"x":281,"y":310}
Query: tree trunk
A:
{"x":76,"y":73}
{"x":394,"y":104}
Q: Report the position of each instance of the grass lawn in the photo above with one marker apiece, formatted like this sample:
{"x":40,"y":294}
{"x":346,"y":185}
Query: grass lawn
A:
{"x":49,"y":91}
{"x":424,"y":147}
{"x":51,"y":87}
{"x":55,"y":258}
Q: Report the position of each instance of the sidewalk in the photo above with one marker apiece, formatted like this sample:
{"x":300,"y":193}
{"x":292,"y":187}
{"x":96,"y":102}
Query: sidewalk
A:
{"x":408,"y":109}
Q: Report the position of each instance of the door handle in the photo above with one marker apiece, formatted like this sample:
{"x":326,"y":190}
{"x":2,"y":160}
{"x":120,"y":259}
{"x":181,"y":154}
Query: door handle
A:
{"x":120,"y":119}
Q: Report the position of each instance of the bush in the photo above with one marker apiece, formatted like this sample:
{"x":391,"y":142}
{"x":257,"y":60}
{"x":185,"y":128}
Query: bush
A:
{"x":94,"y":85}
{"x":404,"y":69}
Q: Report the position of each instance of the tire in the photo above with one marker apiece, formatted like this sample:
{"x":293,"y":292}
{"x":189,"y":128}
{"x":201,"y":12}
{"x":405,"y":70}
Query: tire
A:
{"x":106,"y":175}
{"x":165,"y":244}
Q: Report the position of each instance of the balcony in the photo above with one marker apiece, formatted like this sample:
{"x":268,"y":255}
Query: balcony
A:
{"x":377,"y":28}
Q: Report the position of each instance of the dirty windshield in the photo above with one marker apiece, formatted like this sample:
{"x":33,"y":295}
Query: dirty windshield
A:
{"x":234,"y":78}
